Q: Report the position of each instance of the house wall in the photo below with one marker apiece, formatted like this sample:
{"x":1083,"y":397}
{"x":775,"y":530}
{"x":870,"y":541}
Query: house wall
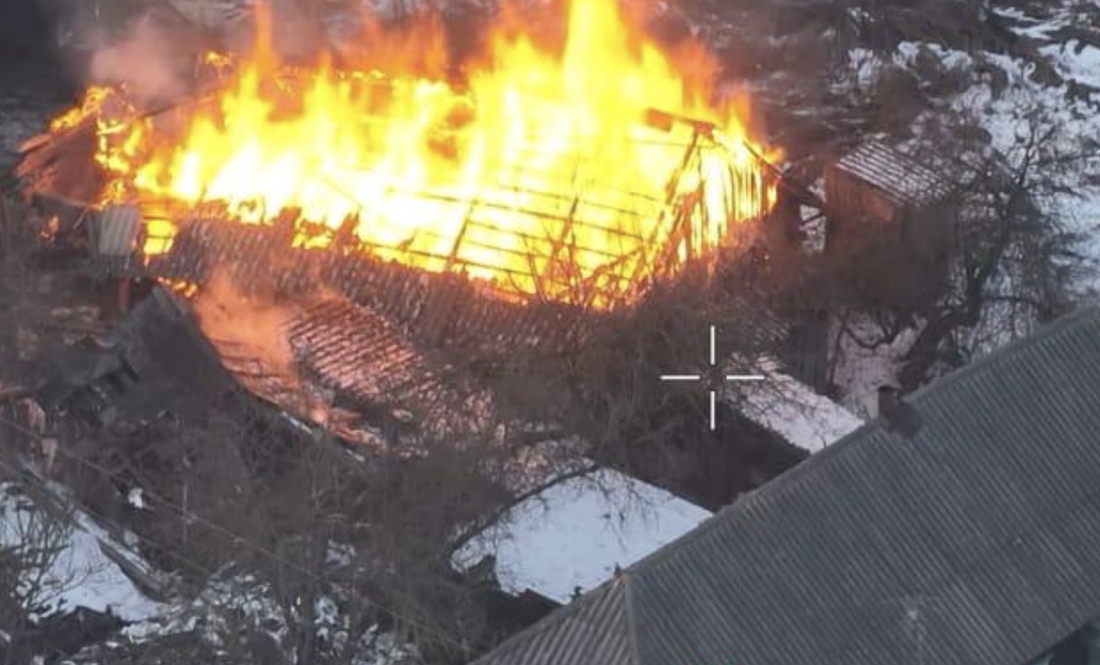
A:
{"x":805,"y":351}
{"x":891,"y":253}
{"x":928,"y":232}
{"x":857,"y":212}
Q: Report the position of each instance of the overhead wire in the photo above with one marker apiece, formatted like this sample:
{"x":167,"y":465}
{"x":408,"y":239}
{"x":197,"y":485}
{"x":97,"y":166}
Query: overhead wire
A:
{"x":237,"y":537}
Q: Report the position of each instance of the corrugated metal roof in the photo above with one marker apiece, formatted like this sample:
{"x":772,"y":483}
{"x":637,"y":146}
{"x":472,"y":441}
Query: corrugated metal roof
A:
{"x":897,"y":175}
{"x":118,"y":229}
{"x":597,"y":634}
{"x":975,"y":541}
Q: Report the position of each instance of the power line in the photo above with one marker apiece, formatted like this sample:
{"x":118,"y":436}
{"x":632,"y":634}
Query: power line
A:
{"x":108,"y":521}
{"x":257,"y":547}
{"x":42,"y":486}
{"x":239,"y":587}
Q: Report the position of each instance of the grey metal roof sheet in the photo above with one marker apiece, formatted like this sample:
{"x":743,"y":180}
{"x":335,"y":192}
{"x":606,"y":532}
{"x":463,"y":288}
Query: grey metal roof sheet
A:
{"x":118,"y":229}
{"x":975,"y":541}
{"x":600,"y":631}
{"x":897,"y":175}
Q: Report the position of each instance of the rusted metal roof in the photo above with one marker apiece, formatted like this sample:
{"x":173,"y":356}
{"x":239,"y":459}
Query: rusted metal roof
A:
{"x":434,"y":309}
{"x":976,"y":541}
{"x":900,"y":177}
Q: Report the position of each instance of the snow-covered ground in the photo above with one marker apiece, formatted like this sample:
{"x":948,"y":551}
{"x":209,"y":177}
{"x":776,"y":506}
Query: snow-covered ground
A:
{"x":80,"y":575}
{"x":862,"y":367}
{"x":1004,"y":104}
{"x":1004,"y":94}
{"x":574,"y":534}
{"x":1006,"y":116}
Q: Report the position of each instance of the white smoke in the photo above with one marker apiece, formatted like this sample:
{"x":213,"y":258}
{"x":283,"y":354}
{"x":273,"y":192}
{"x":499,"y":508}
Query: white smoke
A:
{"x":144,"y":61}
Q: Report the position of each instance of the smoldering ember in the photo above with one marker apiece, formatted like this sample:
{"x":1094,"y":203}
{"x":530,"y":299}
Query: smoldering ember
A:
{"x":399,"y":332}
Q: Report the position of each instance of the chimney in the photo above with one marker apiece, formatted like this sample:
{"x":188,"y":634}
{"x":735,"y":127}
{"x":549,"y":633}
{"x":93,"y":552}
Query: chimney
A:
{"x":899,"y":416}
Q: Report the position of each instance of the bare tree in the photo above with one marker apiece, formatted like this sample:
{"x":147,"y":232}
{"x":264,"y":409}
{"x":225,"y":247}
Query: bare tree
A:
{"x":33,"y":536}
{"x":1017,"y":259}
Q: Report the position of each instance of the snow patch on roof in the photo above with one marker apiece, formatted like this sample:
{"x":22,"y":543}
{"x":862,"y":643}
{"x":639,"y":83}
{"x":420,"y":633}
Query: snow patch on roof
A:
{"x":575,"y":533}
{"x":795,"y":411}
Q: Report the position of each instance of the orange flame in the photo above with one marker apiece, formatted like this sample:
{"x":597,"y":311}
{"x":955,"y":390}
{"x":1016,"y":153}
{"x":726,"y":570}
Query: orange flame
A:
{"x":545,"y":175}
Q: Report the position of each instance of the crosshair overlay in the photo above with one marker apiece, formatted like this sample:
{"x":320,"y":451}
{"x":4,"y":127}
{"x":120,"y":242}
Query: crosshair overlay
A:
{"x":699,"y":377}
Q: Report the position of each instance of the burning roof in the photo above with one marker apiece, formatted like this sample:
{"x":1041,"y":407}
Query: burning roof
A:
{"x":394,"y":213}
{"x":533,"y":177}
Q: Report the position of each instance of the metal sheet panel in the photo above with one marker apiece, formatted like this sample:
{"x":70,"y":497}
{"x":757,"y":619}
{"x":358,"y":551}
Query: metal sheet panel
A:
{"x":117,"y":230}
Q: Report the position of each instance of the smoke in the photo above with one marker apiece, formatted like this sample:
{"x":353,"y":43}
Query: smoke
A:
{"x":147,"y":61}
{"x":236,"y":321}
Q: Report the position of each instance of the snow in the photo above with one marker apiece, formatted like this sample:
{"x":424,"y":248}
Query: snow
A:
{"x":575,"y":533}
{"x":866,"y":65}
{"x":1005,"y":107}
{"x":578,"y":531}
{"x":241,"y":596}
{"x":1076,"y":60}
{"x":103,"y":584}
{"x":813,"y":225}
{"x":1006,"y":113}
{"x":907,"y":53}
{"x":1006,"y":116}
{"x":861,"y":369}
{"x":231,"y":602}
{"x":81,"y":575}
{"x":794,"y":411}
{"x":136,"y":498}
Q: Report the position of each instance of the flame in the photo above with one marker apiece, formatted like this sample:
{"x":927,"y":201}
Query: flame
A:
{"x":546,"y":174}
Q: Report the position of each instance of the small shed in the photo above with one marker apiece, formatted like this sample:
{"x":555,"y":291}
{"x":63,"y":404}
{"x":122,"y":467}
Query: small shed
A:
{"x":885,"y":206}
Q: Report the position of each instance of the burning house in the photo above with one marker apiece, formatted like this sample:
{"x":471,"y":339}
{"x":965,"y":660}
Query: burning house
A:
{"x":566,"y":195}
{"x":349,"y":242}
{"x":336,"y":248}
{"x":392,"y":215}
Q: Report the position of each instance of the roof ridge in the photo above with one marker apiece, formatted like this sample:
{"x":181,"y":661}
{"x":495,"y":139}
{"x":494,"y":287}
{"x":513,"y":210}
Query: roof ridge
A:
{"x":1041,"y":334}
{"x":647,"y":587}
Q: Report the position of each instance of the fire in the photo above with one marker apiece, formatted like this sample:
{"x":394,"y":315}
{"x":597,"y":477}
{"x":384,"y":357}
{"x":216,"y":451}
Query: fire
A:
{"x":546,"y":174}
